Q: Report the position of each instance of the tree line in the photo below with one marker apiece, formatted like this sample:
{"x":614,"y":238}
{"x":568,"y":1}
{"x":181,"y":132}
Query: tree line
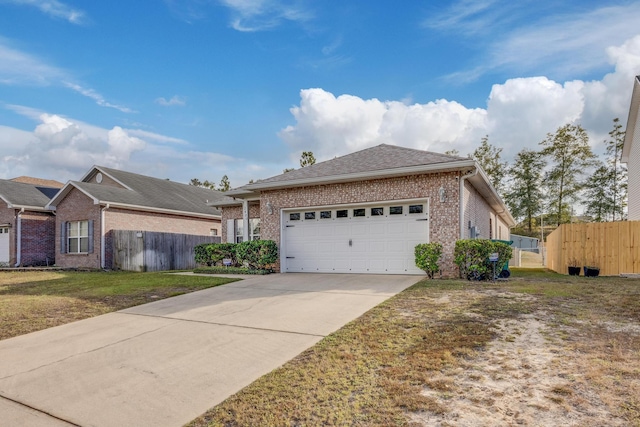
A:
{"x":306,"y":159}
{"x":563,"y":173}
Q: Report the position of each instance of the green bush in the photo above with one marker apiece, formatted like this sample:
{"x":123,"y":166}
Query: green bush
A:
{"x":257,"y":254}
{"x":472,"y":258}
{"x":213,"y":253}
{"x":427,"y":257}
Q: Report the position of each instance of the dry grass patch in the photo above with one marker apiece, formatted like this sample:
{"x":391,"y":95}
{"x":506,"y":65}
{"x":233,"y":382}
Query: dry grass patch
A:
{"x":31,"y":301}
{"x":540,"y":349}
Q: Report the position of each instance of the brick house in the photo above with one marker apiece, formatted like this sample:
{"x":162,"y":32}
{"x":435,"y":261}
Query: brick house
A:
{"x":108,"y":199}
{"x":631,"y":152}
{"x":27,"y":227}
{"x":365,"y":212}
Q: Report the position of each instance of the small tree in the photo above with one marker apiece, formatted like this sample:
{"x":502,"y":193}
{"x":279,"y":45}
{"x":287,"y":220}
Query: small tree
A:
{"x":428,"y":256}
{"x":489,"y":158}
{"x":524,"y":195}
{"x":225,"y":185}
{"x":618,"y":171}
{"x":307,"y":159}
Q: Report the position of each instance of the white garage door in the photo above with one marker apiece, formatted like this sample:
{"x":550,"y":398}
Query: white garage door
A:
{"x":357,"y":239}
{"x":4,"y":245}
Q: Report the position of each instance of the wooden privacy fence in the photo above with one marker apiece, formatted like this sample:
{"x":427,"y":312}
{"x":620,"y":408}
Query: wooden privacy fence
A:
{"x":154,"y":251}
{"x":614,"y":247}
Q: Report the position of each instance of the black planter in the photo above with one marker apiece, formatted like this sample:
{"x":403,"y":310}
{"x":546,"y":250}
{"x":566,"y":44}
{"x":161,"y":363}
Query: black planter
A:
{"x":591,"y":272}
{"x":574,"y":271}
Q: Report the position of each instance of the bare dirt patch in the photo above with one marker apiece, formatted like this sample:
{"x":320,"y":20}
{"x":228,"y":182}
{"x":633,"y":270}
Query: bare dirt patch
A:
{"x":539,"y":350}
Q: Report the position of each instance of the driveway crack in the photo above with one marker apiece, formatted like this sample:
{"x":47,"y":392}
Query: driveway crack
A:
{"x":90,"y":351}
{"x":49,"y":414}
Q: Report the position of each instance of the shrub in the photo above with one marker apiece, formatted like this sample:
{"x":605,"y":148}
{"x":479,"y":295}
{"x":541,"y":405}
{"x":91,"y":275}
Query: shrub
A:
{"x":427,"y":257}
{"x":472,"y":257}
{"x":257,"y":254}
{"x":213,"y":253}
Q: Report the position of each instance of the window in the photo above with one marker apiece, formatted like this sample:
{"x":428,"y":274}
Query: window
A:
{"x":325,"y":215}
{"x":213,"y":232}
{"x":77,"y":237}
{"x":239,"y":233}
{"x":395,"y":210}
{"x":309,"y":215}
{"x":4,"y":230}
{"x":377,"y":211}
{"x":358,"y":212}
{"x":342,"y":213}
{"x":254,"y":229}
{"x":415,"y":209}
{"x":294,"y":216}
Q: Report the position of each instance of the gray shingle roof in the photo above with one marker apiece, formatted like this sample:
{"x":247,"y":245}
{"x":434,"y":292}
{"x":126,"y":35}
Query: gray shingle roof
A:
{"x":21,"y":194}
{"x":380,"y":157}
{"x":153,"y":193}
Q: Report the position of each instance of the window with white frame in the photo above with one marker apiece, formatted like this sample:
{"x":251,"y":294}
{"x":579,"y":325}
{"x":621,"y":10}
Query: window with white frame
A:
{"x":77,"y":237}
{"x":254,"y":229}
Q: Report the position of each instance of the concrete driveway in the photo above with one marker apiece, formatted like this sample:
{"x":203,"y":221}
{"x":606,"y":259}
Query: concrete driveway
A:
{"x":165,"y":363}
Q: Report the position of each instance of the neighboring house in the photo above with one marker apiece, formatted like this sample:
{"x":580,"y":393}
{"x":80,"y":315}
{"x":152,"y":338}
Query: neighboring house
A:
{"x":109,"y":199}
{"x":366,"y":211}
{"x":524,"y":242}
{"x":27,"y":227}
{"x":631,"y":152}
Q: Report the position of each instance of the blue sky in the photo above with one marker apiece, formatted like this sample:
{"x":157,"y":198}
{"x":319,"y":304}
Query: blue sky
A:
{"x":202,"y":88}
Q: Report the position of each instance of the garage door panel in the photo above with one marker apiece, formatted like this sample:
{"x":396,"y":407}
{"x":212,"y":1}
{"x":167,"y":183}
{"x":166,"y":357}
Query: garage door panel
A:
{"x":379,"y":244}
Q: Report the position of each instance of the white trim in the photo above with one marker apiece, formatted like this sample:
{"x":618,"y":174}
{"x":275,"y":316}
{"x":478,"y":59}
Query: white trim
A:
{"x":634,"y":109}
{"x":99,"y":169}
{"x":378,"y":202}
{"x":19,"y":238}
{"x":245,"y":221}
{"x":357,"y":176}
{"x":461,"y":203}
{"x":102,"y":235}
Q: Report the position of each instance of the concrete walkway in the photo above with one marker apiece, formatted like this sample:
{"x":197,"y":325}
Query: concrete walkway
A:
{"x":165,"y":363}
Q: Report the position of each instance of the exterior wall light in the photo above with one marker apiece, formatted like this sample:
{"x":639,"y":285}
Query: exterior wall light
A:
{"x":443,"y":194}
{"x":269,"y":208}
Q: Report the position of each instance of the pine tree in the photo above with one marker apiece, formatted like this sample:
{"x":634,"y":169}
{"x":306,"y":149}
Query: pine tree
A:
{"x":307,"y":159}
{"x":618,"y":172}
{"x":524,"y":195}
{"x":488,"y":157}
{"x":571,"y":155}
{"x":598,"y":195}
{"x":225,"y":185}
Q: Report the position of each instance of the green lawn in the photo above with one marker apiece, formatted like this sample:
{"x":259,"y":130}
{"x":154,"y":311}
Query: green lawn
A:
{"x":31,"y":301}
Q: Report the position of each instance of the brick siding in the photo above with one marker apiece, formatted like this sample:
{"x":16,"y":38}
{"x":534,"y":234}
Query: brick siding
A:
{"x":76,"y":206}
{"x":443,"y":216}
{"x":38,"y":239}
{"x":37,"y":230}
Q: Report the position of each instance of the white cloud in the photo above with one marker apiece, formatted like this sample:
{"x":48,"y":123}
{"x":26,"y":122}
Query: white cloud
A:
{"x":519,"y":114}
{"x":99,"y":99}
{"x":20,"y":68}
{"x":175,"y":100}
{"x":54,"y":9}
{"x":258,"y":15}
{"x":562,"y":44}
{"x":63,"y":148}
{"x":23,"y":69}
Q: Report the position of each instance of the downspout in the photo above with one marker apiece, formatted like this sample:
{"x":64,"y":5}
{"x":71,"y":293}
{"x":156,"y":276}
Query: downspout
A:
{"x":19,"y":238}
{"x":102,"y":236}
{"x":461,"y":203}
